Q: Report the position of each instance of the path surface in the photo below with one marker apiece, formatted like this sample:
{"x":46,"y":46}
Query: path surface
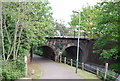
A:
{"x":52,"y":70}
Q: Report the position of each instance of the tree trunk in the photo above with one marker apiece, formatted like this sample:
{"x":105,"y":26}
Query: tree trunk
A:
{"x":2,"y":35}
{"x":8,"y":36}
{"x":15,"y":38}
{"x":19,"y":41}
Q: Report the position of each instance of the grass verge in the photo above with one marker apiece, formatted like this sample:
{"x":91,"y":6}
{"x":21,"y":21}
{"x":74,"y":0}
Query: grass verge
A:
{"x":34,"y":71}
{"x":84,"y":74}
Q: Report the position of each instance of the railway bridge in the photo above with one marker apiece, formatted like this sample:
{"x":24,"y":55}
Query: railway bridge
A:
{"x":56,"y":46}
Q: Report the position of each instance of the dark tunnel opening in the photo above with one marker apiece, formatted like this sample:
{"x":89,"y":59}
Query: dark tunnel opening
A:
{"x":48,"y":52}
{"x":71,"y":53}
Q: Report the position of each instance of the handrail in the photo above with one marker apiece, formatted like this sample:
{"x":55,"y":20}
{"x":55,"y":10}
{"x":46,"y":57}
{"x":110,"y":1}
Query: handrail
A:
{"x":90,"y":68}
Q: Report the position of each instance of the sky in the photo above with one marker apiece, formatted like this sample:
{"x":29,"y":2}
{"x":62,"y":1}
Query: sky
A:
{"x":62,"y":9}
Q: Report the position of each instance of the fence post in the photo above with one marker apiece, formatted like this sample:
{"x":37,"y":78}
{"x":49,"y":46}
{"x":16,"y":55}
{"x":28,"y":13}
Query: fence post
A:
{"x":60,"y":58}
{"x":106,"y":69}
{"x":97,"y":71}
{"x":65,"y":60}
{"x":71,"y":62}
{"x":55,"y":58}
{"x":26,"y":67}
{"x":82,"y":65}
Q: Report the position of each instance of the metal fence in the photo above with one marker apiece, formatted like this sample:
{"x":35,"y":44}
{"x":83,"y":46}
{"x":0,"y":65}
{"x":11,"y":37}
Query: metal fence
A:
{"x":101,"y":72}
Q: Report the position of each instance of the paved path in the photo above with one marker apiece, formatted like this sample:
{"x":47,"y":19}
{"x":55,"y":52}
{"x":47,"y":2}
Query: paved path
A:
{"x":52,"y":70}
{"x":118,"y":79}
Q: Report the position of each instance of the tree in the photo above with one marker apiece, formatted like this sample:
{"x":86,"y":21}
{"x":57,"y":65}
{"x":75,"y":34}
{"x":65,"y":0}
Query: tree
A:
{"x":59,"y":28}
{"x":87,"y":24}
{"x":101,"y":21}
{"x":108,"y":25}
{"x":25,"y":24}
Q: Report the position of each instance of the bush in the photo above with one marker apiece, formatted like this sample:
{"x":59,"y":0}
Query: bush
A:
{"x":110,"y":76}
{"x":115,"y":67}
{"x":12,"y":71}
{"x":38,"y":52}
{"x":64,"y":54}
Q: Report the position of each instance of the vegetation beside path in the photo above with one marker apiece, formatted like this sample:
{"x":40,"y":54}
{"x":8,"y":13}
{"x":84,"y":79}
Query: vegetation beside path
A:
{"x":34,"y":71}
{"x":84,"y":74}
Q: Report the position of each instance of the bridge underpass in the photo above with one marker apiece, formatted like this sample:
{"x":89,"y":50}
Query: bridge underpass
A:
{"x":70,"y":53}
{"x":48,"y":52}
{"x":56,"y":46}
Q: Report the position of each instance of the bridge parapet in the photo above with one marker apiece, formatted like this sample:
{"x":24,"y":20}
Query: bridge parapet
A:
{"x":69,"y":37}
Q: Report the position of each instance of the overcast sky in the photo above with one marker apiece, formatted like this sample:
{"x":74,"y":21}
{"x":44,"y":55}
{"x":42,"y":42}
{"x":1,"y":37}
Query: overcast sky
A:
{"x":62,"y":9}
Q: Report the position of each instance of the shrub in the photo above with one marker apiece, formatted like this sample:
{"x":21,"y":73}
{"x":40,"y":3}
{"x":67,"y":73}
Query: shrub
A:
{"x":64,"y":54}
{"x":110,"y":76}
{"x":115,"y":67}
{"x":12,"y":71}
{"x":38,"y":52}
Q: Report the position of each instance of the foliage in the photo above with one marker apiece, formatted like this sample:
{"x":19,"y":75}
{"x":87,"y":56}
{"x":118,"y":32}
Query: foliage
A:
{"x":24,"y":25}
{"x":115,"y":67}
{"x":109,"y":77}
{"x":59,"y":28}
{"x":101,"y":21}
{"x":64,"y":54}
{"x":38,"y":51}
{"x":83,"y":73}
{"x":36,"y":67}
{"x":107,"y":54}
{"x":108,"y":24}
{"x":10,"y":71}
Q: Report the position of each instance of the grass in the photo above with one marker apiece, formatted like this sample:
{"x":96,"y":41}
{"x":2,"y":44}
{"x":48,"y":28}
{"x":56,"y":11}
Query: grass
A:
{"x":37,"y":71}
{"x":84,"y":74}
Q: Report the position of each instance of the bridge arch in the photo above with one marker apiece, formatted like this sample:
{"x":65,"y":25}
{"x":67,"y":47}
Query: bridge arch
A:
{"x":71,"y":52}
{"x":67,"y":46}
{"x":48,"y":52}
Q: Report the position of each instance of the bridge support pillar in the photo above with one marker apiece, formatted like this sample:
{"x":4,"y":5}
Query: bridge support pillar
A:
{"x":58,"y":58}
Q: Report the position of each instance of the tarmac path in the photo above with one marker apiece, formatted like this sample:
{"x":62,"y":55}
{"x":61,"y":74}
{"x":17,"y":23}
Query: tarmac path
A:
{"x":53,"y":70}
